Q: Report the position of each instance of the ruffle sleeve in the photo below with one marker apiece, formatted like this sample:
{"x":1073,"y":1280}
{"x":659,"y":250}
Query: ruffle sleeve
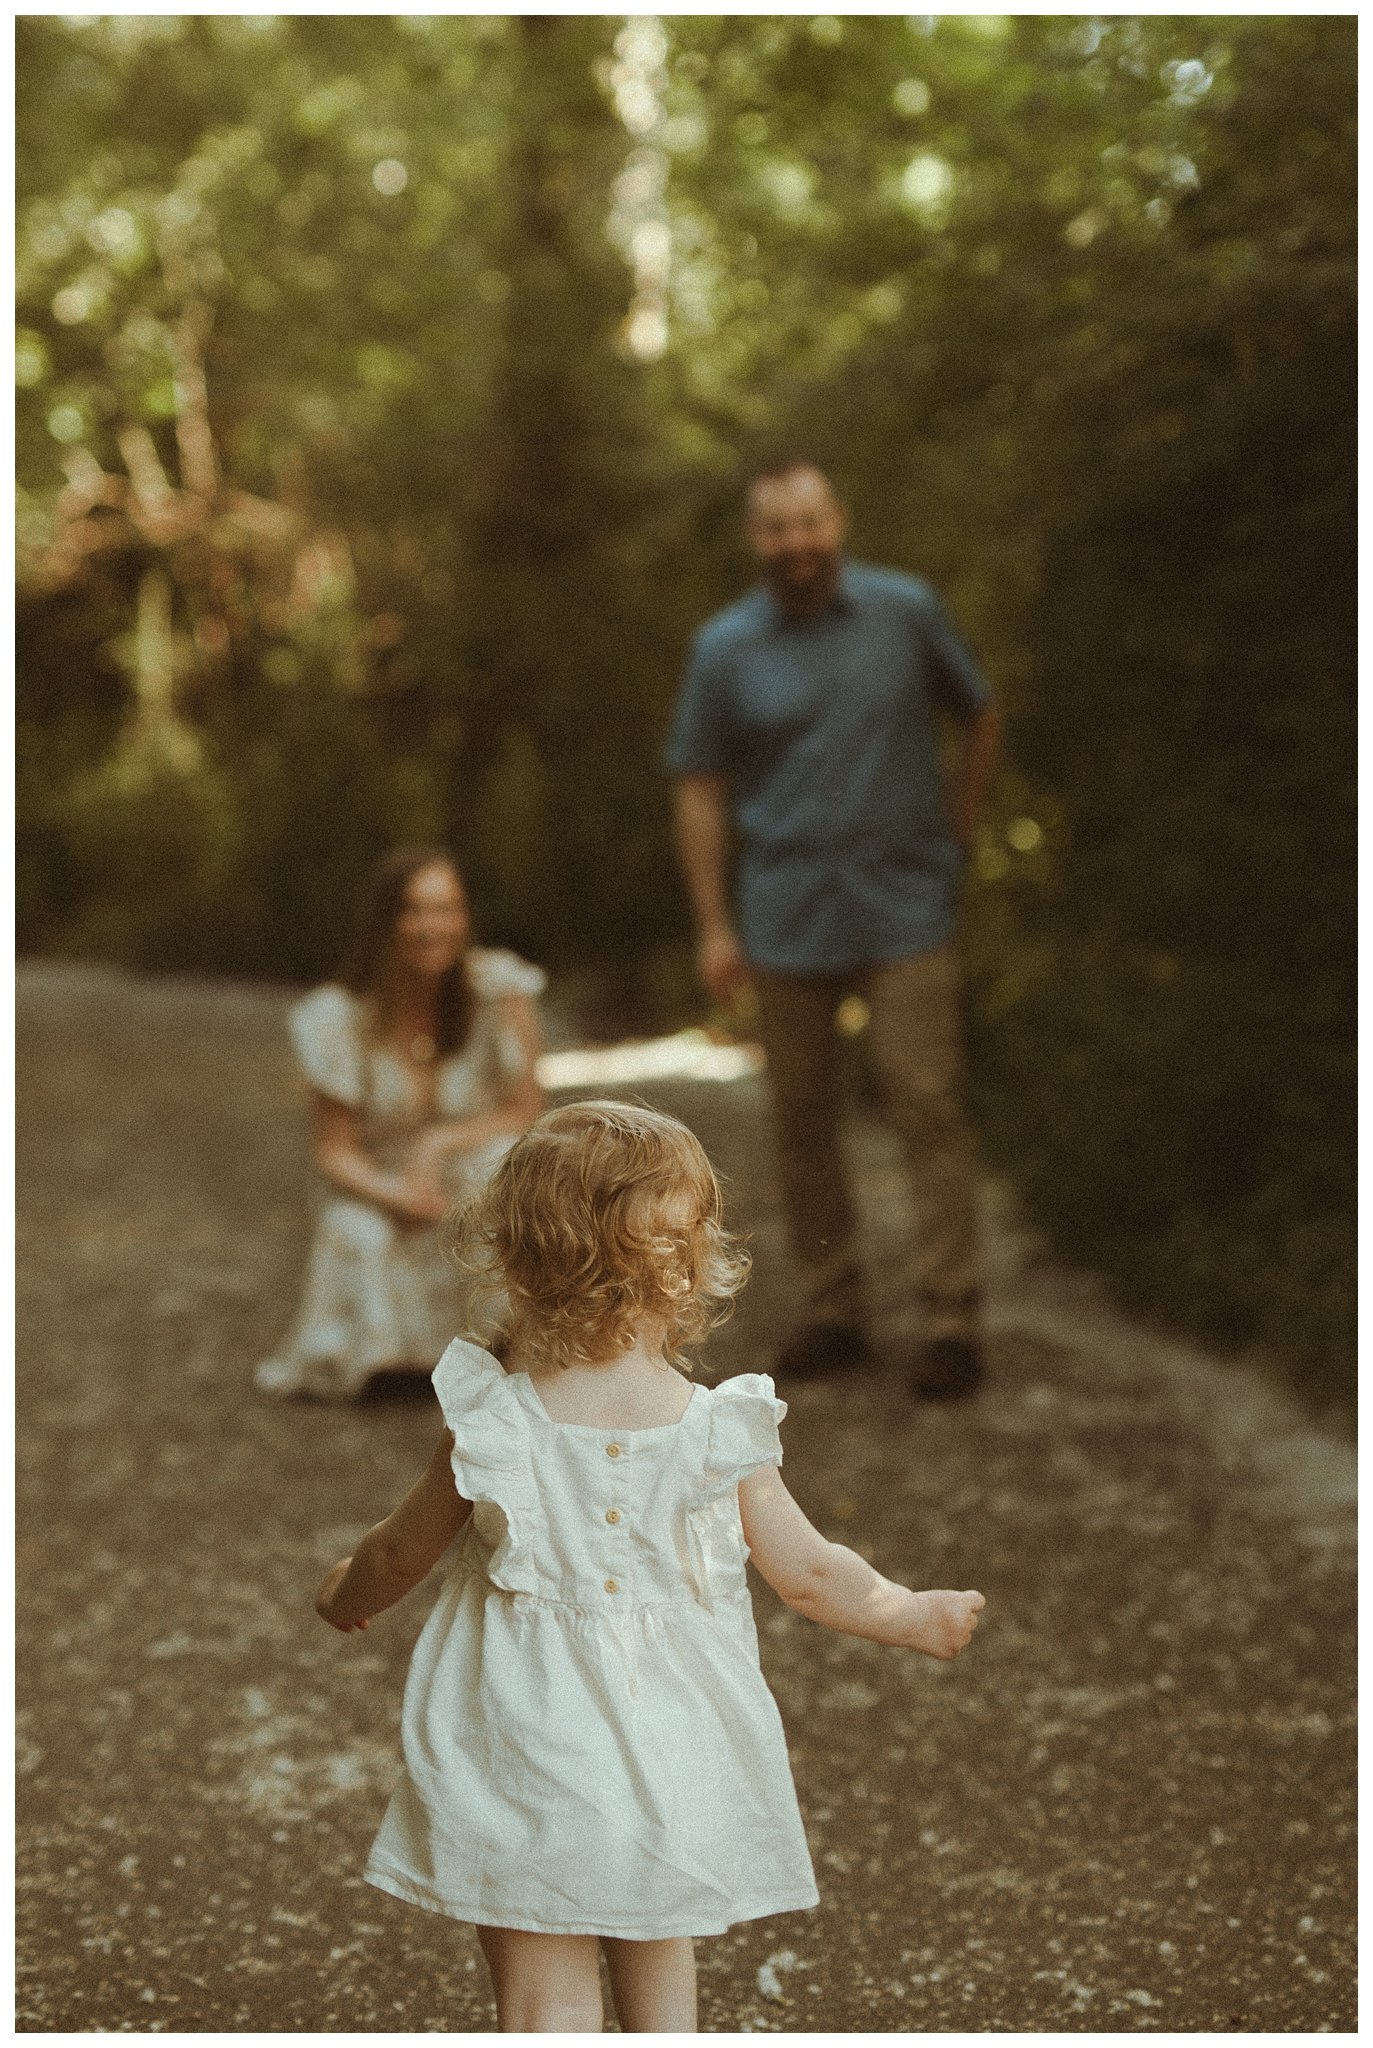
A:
{"x":324,"y":1033}
{"x":742,"y":1436}
{"x":744,"y":1417}
{"x":490,"y":1459}
{"x":495,"y":972}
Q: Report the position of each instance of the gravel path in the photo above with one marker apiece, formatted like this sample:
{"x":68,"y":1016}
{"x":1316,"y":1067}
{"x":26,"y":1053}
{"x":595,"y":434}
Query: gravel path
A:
{"x":1129,"y":1808}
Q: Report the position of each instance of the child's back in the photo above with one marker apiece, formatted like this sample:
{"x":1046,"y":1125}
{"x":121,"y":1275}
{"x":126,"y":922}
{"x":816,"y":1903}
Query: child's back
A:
{"x":590,"y":1745}
{"x":590,"y":1749}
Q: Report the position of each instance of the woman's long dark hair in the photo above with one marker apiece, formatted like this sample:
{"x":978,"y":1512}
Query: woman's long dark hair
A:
{"x":364,"y":972}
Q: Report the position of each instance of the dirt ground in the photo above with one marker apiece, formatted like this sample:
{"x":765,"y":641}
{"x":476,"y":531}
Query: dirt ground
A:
{"x":1130,"y":1807}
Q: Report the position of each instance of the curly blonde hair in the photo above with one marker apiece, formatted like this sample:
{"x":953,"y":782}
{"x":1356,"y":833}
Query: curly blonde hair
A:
{"x":604,"y":1217}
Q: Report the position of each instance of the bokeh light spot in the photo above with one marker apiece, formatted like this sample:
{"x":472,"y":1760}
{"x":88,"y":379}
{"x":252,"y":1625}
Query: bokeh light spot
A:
{"x":114,"y":232}
{"x":926,"y":182}
{"x":911,"y":97}
{"x":852,"y":1016}
{"x":72,"y":304}
{"x":66,"y":423}
{"x":646,"y":332}
{"x":30,"y":359}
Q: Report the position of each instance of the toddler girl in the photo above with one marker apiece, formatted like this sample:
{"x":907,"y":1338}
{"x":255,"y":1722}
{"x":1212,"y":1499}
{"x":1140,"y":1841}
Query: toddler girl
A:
{"x":592,"y":1755}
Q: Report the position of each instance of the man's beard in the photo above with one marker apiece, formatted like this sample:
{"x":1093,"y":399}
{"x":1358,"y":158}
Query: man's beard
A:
{"x":818,"y":575}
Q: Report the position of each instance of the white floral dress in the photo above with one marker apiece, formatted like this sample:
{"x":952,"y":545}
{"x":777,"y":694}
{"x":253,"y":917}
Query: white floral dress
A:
{"x":590,"y":1746}
{"x":379,"y":1293}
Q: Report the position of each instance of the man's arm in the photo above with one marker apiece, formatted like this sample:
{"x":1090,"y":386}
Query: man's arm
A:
{"x":703,"y":848}
{"x":960,"y":688}
{"x":978,"y":754}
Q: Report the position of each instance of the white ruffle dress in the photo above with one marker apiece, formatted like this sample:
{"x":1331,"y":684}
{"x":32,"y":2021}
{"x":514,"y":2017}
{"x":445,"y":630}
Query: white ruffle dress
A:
{"x":590,"y":1746}
{"x":379,"y":1293}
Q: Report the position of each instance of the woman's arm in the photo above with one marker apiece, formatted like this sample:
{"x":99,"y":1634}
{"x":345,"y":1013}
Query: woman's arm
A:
{"x":832,"y":1585}
{"x":336,"y":1142}
{"x":392,"y":1558}
{"x":523,"y":1100}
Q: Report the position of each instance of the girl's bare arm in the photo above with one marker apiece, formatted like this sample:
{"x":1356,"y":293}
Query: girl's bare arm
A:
{"x":399,"y":1552}
{"x":833,"y":1585}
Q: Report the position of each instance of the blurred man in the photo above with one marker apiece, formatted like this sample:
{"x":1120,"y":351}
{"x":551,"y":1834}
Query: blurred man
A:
{"x":806,"y":735}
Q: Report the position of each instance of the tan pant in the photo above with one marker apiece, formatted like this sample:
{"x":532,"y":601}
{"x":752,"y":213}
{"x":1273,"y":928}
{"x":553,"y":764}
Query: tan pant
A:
{"x":916,"y":1041}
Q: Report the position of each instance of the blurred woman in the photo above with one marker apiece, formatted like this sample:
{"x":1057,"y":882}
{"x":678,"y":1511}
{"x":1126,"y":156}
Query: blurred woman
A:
{"x":421,"y":1061}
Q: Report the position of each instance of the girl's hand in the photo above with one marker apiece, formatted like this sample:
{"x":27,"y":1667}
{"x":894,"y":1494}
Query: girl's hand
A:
{"x":324,"y":1599}
{"x":944,"y":1623}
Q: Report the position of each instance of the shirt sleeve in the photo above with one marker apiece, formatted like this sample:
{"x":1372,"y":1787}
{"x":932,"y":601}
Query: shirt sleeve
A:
{"x":698,"y":743}
{"x":956,"y":681}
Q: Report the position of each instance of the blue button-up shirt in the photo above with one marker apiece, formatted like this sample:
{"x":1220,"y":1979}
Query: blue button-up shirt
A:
{"x":825,"y":728}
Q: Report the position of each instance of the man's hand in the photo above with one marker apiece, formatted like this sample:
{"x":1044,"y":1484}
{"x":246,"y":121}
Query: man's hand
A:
{"x":980,"y":750}
{"x":723,"y":968}
{"x":703,"y":836}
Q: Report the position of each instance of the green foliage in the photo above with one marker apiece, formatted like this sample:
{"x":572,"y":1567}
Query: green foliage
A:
{"x":349,"y":513}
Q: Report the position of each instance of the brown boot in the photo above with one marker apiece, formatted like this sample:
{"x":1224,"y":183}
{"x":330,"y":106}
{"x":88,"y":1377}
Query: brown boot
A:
{"x":947,"y":1369}
{"x":820,"y":1351}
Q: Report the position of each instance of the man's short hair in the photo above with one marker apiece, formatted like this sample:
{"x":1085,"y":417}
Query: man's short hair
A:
{"x":776,"y":467}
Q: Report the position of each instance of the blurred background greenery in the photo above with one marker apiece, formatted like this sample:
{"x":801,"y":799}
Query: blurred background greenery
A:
{"x":384,"y":388}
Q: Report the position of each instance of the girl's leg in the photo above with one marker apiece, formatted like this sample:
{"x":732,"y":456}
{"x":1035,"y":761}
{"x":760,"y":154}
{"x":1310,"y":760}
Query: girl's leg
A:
{"x":544,"y":1983}
{"x":654,"y":1985}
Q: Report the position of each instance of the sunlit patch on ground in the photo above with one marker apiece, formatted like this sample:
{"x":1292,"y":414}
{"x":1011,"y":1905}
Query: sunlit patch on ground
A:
{"x":685,"y":1056}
